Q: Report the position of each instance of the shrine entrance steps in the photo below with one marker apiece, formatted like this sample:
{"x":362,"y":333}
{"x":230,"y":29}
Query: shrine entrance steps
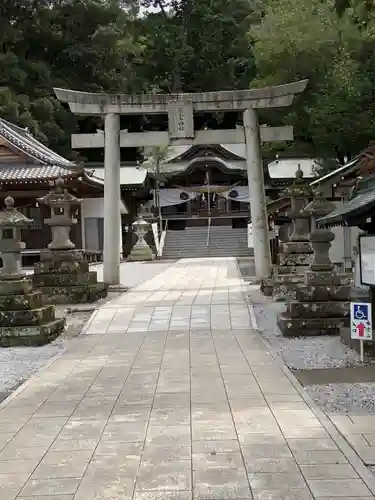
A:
{"x":221,"y":241}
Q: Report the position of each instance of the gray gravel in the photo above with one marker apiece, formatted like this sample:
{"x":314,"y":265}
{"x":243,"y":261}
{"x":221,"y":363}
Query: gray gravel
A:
{"x":358,"y":399}
{"x":17,"y":364}
{"x":315,"y":352}
{"x":303,"y":352}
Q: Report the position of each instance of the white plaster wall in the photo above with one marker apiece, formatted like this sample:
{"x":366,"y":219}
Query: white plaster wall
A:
{"x":94,"y":208}
{"x":337,"y":249}
{"x":344,"y":243}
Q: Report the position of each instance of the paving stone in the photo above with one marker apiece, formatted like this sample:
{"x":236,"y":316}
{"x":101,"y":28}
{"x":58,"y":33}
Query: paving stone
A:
{"x":335,"y":488}
{"x":130,"y":413}
{"x":60,"y":486}
{"x":214,"y":446}
{"x":179,"y":435}
{"x":221,"y":483}
{"x":271,"y":481}
{"x":163,"y":495}
{"x":48,"y":497}
{"x":166,"y":453}
{"x":82,"y":429}
{"x":298,"y":494}
{"x":170,"y":416}
{"x":311,"y":444}
{"x":206,"y":461}
{"x":62,"y":464}
{"x":321,"y":457}
{"x":11,"y":452}
{"x":165,"y":475}
{"x":132,"y":432}
{"x":328,"y":471}
{"x":271,"y":465}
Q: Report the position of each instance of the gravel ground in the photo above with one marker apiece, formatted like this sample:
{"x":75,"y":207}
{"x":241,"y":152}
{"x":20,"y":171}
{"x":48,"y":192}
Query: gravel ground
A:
{"x":17,"y":364}
{"x":303,"y":352}
{"x":354,"y":399}
{"x":315,"y":352}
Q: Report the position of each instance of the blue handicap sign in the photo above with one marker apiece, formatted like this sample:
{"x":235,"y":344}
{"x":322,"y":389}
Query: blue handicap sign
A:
{"x":361,"y":311}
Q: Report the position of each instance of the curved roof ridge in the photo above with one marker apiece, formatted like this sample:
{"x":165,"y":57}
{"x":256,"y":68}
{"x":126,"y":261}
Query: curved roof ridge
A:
{"x":25,"y":142}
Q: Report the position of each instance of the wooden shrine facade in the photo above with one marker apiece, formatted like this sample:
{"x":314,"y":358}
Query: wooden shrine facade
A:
{"x":27,"y":169}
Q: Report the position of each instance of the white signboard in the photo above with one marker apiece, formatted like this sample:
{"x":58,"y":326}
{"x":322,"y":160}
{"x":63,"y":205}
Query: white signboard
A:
{"x":181,"y":120}
{"x":250,"y":239}
{"x":156,"y":237}
{"x":360,"y":321}
{"x":367,"y":260}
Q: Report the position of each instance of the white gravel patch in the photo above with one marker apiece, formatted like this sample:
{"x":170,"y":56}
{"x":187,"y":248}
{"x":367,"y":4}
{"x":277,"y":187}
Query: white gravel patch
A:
{"x":354,"y":399}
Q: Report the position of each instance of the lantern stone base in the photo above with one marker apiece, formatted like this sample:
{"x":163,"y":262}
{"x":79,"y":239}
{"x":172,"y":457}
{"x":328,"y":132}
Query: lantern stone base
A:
{"x":321,"y":306}
{"x":63,"y":277}
{"x":295,"y":259}
{"x":24,"y":317}
{"x":312,"y":327}
{"x":141,"y":253}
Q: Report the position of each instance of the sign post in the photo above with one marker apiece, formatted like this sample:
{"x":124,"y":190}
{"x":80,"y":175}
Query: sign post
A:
{"x":360,"y":323}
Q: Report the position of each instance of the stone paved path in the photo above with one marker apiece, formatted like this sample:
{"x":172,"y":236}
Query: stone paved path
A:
{"x":170,"y":395}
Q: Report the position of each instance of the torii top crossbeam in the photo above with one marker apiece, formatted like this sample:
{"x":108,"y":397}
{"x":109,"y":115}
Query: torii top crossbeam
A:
{"x":85,"y":103}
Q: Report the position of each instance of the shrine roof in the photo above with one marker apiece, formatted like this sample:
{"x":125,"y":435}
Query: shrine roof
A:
{"x":32,"y":172}
{"x":362,"y":203}
{"x":285,"y":168}
{"x":24,"y":142}
{"x":338,"y":173}
{"x":129,"y":175}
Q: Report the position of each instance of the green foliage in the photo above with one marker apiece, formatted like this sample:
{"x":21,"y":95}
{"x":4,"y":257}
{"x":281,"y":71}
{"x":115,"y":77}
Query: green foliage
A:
{"x":317,"y":40}
{"x":136,"y":46}
{"x":80,"y":44}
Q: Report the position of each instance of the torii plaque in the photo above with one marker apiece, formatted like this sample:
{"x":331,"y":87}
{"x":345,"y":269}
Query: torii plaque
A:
{"x":180,"y":109}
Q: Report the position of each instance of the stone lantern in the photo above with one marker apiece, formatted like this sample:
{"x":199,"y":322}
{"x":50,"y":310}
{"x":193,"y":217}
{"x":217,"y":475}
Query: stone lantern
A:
{"x":63,"y":274}
{"x":295,"y":255}
{"x":11,"y":223}
{"x":25,"y":319}
{"x":322,"y":301}
{"x":141,"y":250}
{"x":320,"y":238}
{"x":298,"y":193}
{"x":62,"y":207}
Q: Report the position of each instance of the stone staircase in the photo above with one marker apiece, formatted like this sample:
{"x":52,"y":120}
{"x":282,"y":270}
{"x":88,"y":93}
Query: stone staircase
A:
{"x":192,"y":242}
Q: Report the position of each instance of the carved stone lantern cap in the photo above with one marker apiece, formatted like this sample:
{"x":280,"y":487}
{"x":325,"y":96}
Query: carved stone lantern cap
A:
{"x":59,"y":196}
{"x":11,"y":217}
{"x":319,"y":206}
{"x":300,"y":187}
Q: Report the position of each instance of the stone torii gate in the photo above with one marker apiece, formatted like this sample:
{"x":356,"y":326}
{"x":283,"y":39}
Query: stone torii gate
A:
{"x":180,"y":109}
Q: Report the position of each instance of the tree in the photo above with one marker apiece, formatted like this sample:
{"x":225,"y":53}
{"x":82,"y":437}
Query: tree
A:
{"x":197,"y":45}
{"x":155,"y":156}
{"x":80,"y":44}
{"x":308,"y":39}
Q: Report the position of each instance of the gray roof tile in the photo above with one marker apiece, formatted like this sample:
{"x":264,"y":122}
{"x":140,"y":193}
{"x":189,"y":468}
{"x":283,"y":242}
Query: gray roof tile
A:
{"x":24,"y":141}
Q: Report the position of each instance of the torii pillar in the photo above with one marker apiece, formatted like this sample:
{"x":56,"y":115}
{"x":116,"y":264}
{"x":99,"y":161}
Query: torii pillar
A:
{"x":180,"y":109}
